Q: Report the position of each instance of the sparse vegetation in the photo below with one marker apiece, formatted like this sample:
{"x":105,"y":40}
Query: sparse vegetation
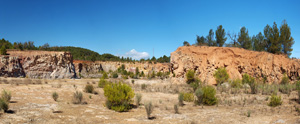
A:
{"x":102,"y":83}
{"x":285,"y":79}
{"x":176,"y":109}
{"x":77,"y":97}
{"x":199,"y":94}
{"x":104,"y":75}
{"x":55,"y":96}
{"x":4,"y":105}
{"x":221,"y":75}
{"x":118,"y":96}
{"x":89,"y":88}
{"x":6,"y":96}
{"x":138,"y":99}
{"x":144,"y":86}
{"x":149,"y":109}
{"x":180,"y":99}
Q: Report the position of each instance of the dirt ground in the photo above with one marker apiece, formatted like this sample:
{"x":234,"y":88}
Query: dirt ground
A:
{"x":32,"y":103}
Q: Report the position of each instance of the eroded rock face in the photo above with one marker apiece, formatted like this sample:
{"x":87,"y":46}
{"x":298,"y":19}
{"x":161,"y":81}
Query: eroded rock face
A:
{"x":206,"y":60}
{"x":92,"y":69}
{"x":37,"y":64}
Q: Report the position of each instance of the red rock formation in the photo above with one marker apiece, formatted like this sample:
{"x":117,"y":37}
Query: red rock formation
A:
{"x":205,"y":60}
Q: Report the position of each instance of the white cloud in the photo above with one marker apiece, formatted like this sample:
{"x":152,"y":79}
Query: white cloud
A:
{"x":136,"y":55}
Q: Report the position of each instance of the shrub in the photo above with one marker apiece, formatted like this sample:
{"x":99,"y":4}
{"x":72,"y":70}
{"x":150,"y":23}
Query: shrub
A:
{"x":221,"y":75}
{"x":115,"y":75}
{"x":149,"y":109}
{"x":77,"y":97}
{"x":89,"y":88}
{"x":188,"y":97}
{"x":176,"y":109}
{"x":237,"y":83}
{"x":159,"y":74}
{"x":246,"y":79}
{"x":180,"y":99}
{"x":104,"y":75}
{"x":138,"y":98}
{"x":199,"y":95}
{"x":4,"y":105}
{"x":6,"y":96}
{"x":144,"y":86}
{"x":285,"y":79}
{"x":55,"y":96}
{"x":102,"y":83}
{"x":209,"y":95}
{"x":275,"y":101}
{"x":195,"y":84}
{"x":190,"y":76}
{"x":119,"y":96}
{"x":285,"y":88}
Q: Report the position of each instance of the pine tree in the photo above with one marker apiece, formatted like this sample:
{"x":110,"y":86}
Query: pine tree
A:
{"x":220,"y":36}
{"x":210,"y":38}
{"x":274,"y":41}
{"x":201,"y":41}
{"x":244,"y":39}
{"x":286,"y":39}
{"x":259,"y":42}
{"x":3,"y":50}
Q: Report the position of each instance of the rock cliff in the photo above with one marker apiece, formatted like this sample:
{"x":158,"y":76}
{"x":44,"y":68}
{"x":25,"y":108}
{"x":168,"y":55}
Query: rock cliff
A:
{"x":37,"y":64}
{"x":92,"y":69}
{"x":206,"y":60}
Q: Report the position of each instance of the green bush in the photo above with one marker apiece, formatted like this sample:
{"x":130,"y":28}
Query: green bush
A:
{"x":89,"y":88}
{"x":209,"y":95}
{"x":119,"y":96}
{"x":138,"y":99}
{"x":188,"y":97}
{"x":115,"y":75}
{"x":199,"y":95}
{"x":221,"y":75}
{"x":275,"y":101}
{"x":195,"y":84}
{"x":285,"y":79}
{"x":6,"y":96}
{"x":237,"y":83}
{"x":4,"y":105}
{"x":247,"y":79}
{"x":102,"y":83}
{"x":180,"y":99}
{"x":55,"y":96}
{"x":190,"y":76}
{"x":77,"y":97}
{"x":104,"y":75}
{"x":285,"y":88}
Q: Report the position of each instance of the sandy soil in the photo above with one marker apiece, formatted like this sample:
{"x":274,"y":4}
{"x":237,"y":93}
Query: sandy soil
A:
{"x":32,"y":103}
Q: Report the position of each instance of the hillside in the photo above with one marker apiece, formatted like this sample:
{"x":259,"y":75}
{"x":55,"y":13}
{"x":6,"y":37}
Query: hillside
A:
{"x":206,"y":60}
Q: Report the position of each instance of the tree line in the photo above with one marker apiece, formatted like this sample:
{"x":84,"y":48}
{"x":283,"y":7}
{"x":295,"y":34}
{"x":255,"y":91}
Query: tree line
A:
{"x":77,"y":52}
{"x":273,"y":39}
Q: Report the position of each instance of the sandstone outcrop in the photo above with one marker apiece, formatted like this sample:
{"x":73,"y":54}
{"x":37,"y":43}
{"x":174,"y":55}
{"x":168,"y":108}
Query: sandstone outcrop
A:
{"x":206,"y":60}
{"x":37,"y":64}
{"x":92,"y":69}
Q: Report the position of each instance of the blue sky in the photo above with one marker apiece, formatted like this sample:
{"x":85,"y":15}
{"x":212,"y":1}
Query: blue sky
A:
{"x":119,"y":26}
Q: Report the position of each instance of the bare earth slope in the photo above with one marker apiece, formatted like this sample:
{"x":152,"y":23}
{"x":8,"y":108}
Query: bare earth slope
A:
{"x":206,"y":60}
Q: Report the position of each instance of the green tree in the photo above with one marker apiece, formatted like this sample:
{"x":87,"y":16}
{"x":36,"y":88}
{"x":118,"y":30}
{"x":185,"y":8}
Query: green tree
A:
{"x":286,"y":39}
{"x":185,"y":43}
{"x":210,"y":38}
{"x":201,"y":41}
{"x":244,"y":39}
{"x":3,"y":50}
{"x":220,"y":36}
{"x":259,"y":42}
{"x":274,"y":45}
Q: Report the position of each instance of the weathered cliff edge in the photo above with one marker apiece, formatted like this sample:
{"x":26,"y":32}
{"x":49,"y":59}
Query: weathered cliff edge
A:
{"x":37,"y":64}
{"x":92,"y":69}
{"x":206,"y":60}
